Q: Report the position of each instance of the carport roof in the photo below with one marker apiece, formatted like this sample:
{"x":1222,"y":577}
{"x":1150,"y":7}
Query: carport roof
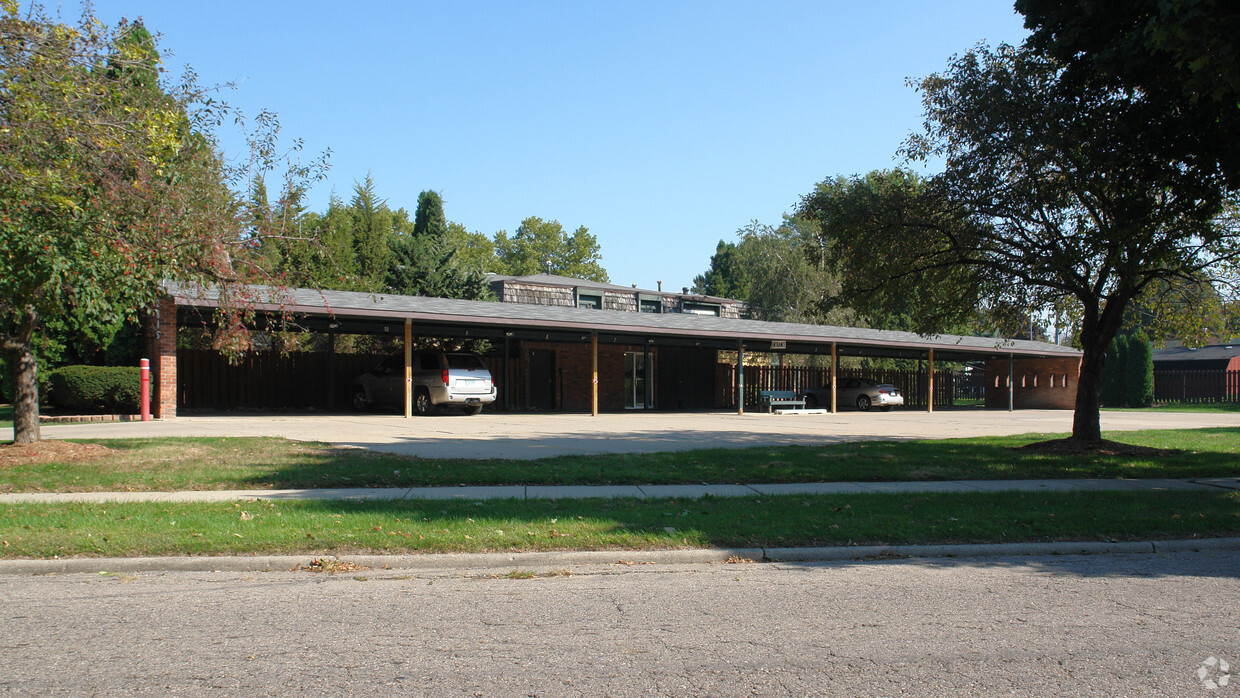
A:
{"x":346,"y":309}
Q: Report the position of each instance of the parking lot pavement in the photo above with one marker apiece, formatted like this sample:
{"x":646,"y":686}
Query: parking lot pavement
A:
{"x":535,"y":435}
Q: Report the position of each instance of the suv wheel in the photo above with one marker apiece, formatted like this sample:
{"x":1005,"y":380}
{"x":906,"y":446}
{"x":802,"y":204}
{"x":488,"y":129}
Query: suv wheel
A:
{"x":421,"y":402}
{"x":360,"y":403}
{"x":473,"y":410}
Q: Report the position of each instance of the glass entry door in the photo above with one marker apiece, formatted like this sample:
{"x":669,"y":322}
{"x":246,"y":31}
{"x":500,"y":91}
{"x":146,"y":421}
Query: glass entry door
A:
{"x":634,"y":381}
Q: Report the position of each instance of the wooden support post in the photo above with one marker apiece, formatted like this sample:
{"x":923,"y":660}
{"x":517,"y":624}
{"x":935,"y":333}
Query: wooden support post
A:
{"x":594,"y":374}
{"x":331,"y":370}
{"x":408,"y":368}
{"x":835,"y":369}
{"x":930,"y":384}
{"x":507,"y":360}
{"x":648,"y":392}
{"x":1011,"y":383}
{"x":740,"y":377}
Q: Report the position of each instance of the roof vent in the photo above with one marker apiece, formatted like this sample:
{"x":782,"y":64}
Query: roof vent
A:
{"x":685,"y":290}
{"x":660,"y":283}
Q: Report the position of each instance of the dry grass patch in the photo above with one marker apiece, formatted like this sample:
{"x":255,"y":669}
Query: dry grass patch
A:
{"x":14,"y":454}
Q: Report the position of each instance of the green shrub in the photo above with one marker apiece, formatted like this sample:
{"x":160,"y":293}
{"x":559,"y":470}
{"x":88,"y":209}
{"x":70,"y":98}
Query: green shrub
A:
{"x":1112,"y":392}
{"x":96,"y":389}
{"x":1139,"y":372}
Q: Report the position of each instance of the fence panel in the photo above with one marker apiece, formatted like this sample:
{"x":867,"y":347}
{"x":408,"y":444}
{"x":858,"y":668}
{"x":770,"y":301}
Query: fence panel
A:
{"x":1194,"y":387}
{"x":912,"y":384}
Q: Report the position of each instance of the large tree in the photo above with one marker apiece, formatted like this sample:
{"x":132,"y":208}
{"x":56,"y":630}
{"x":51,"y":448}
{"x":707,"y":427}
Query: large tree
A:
{"x":726,"y":277}
{"x":539,"y":244}
{"x":109,"y":185}
{"x":1182,"y":56}
{"x":1050,"y":189}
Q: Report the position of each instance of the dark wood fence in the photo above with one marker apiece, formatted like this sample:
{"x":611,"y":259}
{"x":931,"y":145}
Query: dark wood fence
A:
{"x":912,"y":384}
{"x":267,"y":380}
{"x":1197,"y":386}
{"x":270,"y":380}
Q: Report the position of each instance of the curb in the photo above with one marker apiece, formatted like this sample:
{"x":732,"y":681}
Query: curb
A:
{"x":461,"y":561}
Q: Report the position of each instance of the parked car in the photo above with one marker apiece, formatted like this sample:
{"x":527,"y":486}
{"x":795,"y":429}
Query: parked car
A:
{"x":861,"y":393}
{"x":440,"y":378}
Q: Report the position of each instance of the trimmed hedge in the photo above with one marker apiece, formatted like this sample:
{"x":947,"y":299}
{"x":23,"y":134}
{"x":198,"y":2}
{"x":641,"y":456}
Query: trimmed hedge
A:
{"x":1128,"y":374}
{"x":96,"y":389}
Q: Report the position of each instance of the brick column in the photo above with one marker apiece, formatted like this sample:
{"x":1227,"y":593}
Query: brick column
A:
{"x":162,"y":347}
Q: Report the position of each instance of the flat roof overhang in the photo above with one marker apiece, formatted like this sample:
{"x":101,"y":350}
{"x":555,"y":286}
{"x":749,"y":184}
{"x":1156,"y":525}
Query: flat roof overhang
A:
{"x":346,"y":312}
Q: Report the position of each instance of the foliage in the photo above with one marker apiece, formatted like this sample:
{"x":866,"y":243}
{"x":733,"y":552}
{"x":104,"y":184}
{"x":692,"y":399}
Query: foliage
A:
{"x":108,"y":185}
{"x":726,"y":277}
{"x":783,"y":281}
{"x":474,"y":250}
{"x":429,"y":219}
{"x":1139,"y":369}
{"x":1052,"y":190}
{"x":1181,"y":58}
{"x":372,"y":228}
{"x":538,"y":245}
{"x":426,"y":265}
{"x":869,"y":229}
{"x":1128,"y":375}
{"x":96,"y":389}
{"x":1111,"y":392}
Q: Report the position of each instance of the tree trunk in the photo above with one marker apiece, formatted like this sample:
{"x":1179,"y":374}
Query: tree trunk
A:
{"x":1098,"y":328}
{"x":1086,"y":420}
{"x":25,"y":373}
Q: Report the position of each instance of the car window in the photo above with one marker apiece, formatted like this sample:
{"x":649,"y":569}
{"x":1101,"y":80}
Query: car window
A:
{"x":468,"y":362}
{"x":429,"y":362}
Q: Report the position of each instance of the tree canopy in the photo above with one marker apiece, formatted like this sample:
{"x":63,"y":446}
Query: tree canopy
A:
{"x":110,"y":183}
{"x":539,"y":244}
{"x":1182,"y":58}
{"x":1051,"y":190}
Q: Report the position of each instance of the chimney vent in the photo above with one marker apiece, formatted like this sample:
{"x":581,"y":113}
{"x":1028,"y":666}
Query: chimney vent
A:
{"x":660,"y":283}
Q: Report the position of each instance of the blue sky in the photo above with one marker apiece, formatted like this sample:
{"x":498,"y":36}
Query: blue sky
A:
{"x":662,"y":127}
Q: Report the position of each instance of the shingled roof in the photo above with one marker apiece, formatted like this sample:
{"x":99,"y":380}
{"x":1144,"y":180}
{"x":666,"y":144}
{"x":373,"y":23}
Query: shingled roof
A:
{"x":345,"y":306}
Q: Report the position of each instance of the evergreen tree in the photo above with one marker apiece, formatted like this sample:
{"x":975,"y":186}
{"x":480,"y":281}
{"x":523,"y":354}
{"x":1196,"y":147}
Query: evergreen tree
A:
{"x":1112,"y":391}
{"x":1139,"y":372}
{"x":372,"y":227}
{"x":429,"y":219}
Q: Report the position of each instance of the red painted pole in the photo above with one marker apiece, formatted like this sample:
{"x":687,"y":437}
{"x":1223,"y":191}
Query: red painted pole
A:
{"x":144,"y":383}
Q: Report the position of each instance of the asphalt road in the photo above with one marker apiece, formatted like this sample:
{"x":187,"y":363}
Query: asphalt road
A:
{"x":1081,"y":625}
{"x":526,"y":435}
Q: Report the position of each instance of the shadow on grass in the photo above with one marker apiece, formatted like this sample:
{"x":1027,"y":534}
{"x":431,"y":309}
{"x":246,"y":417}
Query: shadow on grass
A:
{"x":342,"y":528}
{"x":1209,"y":453}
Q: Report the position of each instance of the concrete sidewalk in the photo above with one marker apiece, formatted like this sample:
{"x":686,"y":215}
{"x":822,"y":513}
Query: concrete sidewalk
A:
{"x":637,"y":491}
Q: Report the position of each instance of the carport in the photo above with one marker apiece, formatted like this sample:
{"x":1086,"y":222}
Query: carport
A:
{"x":1019,"y":373}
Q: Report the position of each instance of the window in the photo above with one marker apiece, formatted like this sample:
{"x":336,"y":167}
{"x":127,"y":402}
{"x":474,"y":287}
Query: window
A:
{"x":692,"y":308}
{"x":650,"y":306}
{"x":594,"y":301}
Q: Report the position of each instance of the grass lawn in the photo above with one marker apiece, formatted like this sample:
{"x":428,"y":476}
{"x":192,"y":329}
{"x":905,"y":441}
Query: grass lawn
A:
{"x":327,"y":527}
{"x":1205,"y":407}
{"x":271,"y":463}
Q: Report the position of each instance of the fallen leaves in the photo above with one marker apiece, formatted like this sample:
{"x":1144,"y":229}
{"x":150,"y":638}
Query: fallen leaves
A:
{"x":330,"y":566}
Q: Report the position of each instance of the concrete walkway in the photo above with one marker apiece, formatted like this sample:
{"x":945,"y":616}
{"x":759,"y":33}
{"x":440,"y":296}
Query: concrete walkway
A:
{"x":637,"y":491}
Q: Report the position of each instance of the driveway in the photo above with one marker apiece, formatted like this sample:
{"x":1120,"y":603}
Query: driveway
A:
{"x":526,"y":436}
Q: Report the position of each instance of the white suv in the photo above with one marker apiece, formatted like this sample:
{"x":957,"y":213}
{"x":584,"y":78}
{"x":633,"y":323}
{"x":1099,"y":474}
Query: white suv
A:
{"x":439,"y":378}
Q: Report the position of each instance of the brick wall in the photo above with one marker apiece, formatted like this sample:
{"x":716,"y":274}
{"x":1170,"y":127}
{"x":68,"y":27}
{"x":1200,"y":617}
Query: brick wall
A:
{"x":573,"y":374}
{"x":161,"y":336}
{"x":1048,"y":384}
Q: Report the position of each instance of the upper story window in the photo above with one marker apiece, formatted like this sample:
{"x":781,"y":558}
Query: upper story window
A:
{"x":701,"y":308}
{"x":650,"y":305}
{"x":593,"y":301}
